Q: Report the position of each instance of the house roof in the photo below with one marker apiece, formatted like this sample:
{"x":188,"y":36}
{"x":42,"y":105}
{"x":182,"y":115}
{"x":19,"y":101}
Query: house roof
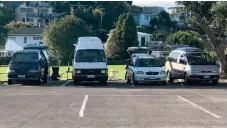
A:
{"x":143,"y":34}
{"x":27,"y":31}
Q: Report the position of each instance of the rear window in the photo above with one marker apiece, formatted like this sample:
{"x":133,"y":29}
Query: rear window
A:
{"x":146,"y":62}
{"x":25,"y":57}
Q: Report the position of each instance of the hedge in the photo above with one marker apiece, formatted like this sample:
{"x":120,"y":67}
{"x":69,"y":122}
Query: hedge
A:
{"x":4,"y":60}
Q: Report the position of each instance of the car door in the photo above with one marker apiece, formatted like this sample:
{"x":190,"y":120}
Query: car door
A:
{"x":130,"y":68}
{"x":173,"y":64}
{"x":43,"y":64}
{"x":181,"y":65}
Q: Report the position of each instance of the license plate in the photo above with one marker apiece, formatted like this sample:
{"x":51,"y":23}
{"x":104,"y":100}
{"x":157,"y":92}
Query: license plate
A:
{"x":152,"y":78}
{"x":90,"y":76}
{"x":206,"y":77}
{"x":21,"y":76}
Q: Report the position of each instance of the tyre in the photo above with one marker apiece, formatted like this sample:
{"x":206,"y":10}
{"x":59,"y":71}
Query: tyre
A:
{"x":45,"y":79}
{"x":187,"y":81}
{"x":134,"y":81}
{"x":9,"y":82}
{"x":104,"y":82}
{"x":128,"y":80}
{"x":38,"y":82}
{"x":163,"y":83}
{"x":75,"y":82}
{"x":214,"y":82}
{"x":169,"y":78}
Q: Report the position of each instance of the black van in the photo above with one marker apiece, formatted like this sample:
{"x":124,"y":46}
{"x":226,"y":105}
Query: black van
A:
{"x":28,"y":65}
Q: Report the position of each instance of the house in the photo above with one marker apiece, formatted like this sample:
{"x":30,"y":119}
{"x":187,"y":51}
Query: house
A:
{"x":144,"y":39}
{"x":144,"y":18}
{"x":20,"y":37}
{"x":38,"y":13}
{"x":178,"y":14}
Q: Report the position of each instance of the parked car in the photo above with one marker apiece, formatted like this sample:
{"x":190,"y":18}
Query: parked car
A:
{"x":90,"y":62}
{"x":30,"y":64}
{"x":191,"y":64}
{"x":145,"y":68}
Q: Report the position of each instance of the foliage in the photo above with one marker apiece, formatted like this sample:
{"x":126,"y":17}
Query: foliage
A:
{"x":6,"y":15}
{"x":136,"y":9}
{"x":185,"y":37}
{"x":211,"y":17}
{"x":18,"y":24}
{"x":191,"y":22}
{"x":161,"y":21}
{"x":126,"y":34}
{"x":110,"y":45}
{"x":61,"y":34}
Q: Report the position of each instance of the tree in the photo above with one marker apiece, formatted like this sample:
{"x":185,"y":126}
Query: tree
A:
{"x":185,"y":37}
{"x":6,"y":15}
{"x":61,"y":34}
{"x":110,"y":45}
{"x":126,"y":34}
{"x":18,"y":24}
{"x":211,"y":18}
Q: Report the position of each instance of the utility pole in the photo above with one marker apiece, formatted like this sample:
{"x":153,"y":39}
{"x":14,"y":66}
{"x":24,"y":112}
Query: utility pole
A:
{"x":101,"y":17}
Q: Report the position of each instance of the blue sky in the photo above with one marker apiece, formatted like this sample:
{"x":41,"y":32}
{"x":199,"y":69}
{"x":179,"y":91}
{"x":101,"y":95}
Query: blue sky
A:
{"x":164,"y":4}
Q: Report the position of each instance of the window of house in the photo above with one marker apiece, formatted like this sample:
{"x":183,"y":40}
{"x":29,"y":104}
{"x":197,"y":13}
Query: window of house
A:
{"x":44,"y":11}
{"x":22,"y":9}
{"x":23,"y":19}
{"x":30,"y":10}
{"x":147,"y":17}
{"x":46,"y":21}
{"x":37,"y":38}
{"x":25,"y":40}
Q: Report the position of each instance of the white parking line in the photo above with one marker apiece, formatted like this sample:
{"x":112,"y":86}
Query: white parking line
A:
{"x":65,"y":83}
{"x":201,"y":108}
{"x":81,"y":113}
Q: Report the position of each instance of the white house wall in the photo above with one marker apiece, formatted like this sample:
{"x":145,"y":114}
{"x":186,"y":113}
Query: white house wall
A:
{"x":18,"y":42}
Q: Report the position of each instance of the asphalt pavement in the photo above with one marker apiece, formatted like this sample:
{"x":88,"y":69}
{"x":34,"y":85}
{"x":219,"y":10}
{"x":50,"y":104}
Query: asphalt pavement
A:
{"x":117,"y":105}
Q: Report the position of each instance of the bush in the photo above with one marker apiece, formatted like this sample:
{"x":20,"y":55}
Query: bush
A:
{"x":4,"y":60}
{"x":117,"y":57}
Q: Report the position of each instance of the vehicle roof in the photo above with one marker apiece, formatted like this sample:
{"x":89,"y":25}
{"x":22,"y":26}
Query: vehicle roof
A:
{"x":188,"y":49}
{"x":133,"y":48}
{"x":89,"y":43}
{"x":28,"y":51}
{"x":144,"y":57}
{"x":35,"y":47}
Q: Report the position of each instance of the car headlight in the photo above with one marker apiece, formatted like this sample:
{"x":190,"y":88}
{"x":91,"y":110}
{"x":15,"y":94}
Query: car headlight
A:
{"x":78,"y":71}
{"x":215,"y":71}
{"x":33,"y":70}
{"x":139,"y":72}
{"x":103,"y":71}
{"x":194,"y":71}
{"x":162,"y":72}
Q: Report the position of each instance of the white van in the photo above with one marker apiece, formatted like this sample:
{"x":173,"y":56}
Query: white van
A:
{"x":90,"y":62}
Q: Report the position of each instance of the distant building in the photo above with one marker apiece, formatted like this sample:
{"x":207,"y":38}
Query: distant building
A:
{"x":38,"y":13}
{"x":144,"y":39}
{"x":20,"y":37}
{"x":152,"y":10}
{"x":144,"y":18}
{"x":1,"y":4}
{"x":178,"y":14}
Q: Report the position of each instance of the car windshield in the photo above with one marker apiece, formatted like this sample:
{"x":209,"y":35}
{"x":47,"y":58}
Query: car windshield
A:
{"x":25,"y":57}
{"x":147,"y":62}
{"x":199,"y":59}
{"x":93,"y":55}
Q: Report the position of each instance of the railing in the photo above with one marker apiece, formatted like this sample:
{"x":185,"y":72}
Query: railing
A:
{"x":39,"y":15}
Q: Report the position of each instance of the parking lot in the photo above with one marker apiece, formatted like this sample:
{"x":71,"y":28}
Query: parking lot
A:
{"x":61,"y":104}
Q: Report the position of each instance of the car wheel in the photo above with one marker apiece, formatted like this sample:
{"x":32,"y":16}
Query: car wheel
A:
{"x":9,"y":82}
{"x":169,"y":78}
{"x":214,"y":82}
{"x":134,"y":81}
{"x":127,"y":78}
{"x":103,"y":82}
{"x":163,"y":83}
{"x":75,"y":82}
{"x":186,"y":80}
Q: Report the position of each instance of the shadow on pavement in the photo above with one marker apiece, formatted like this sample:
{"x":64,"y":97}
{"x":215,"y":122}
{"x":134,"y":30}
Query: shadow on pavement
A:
{"x":175,"y":85}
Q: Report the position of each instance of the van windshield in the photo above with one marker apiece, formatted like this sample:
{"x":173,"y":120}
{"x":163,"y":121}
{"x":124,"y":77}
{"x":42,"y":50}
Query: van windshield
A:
{"x":25,"y":57}
{"x":91,"y":55}
{"x":200,"y":59}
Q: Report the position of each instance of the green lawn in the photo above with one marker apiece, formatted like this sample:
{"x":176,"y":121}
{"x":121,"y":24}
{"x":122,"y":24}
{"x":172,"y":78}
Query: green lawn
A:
{"x":63,"y":69}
